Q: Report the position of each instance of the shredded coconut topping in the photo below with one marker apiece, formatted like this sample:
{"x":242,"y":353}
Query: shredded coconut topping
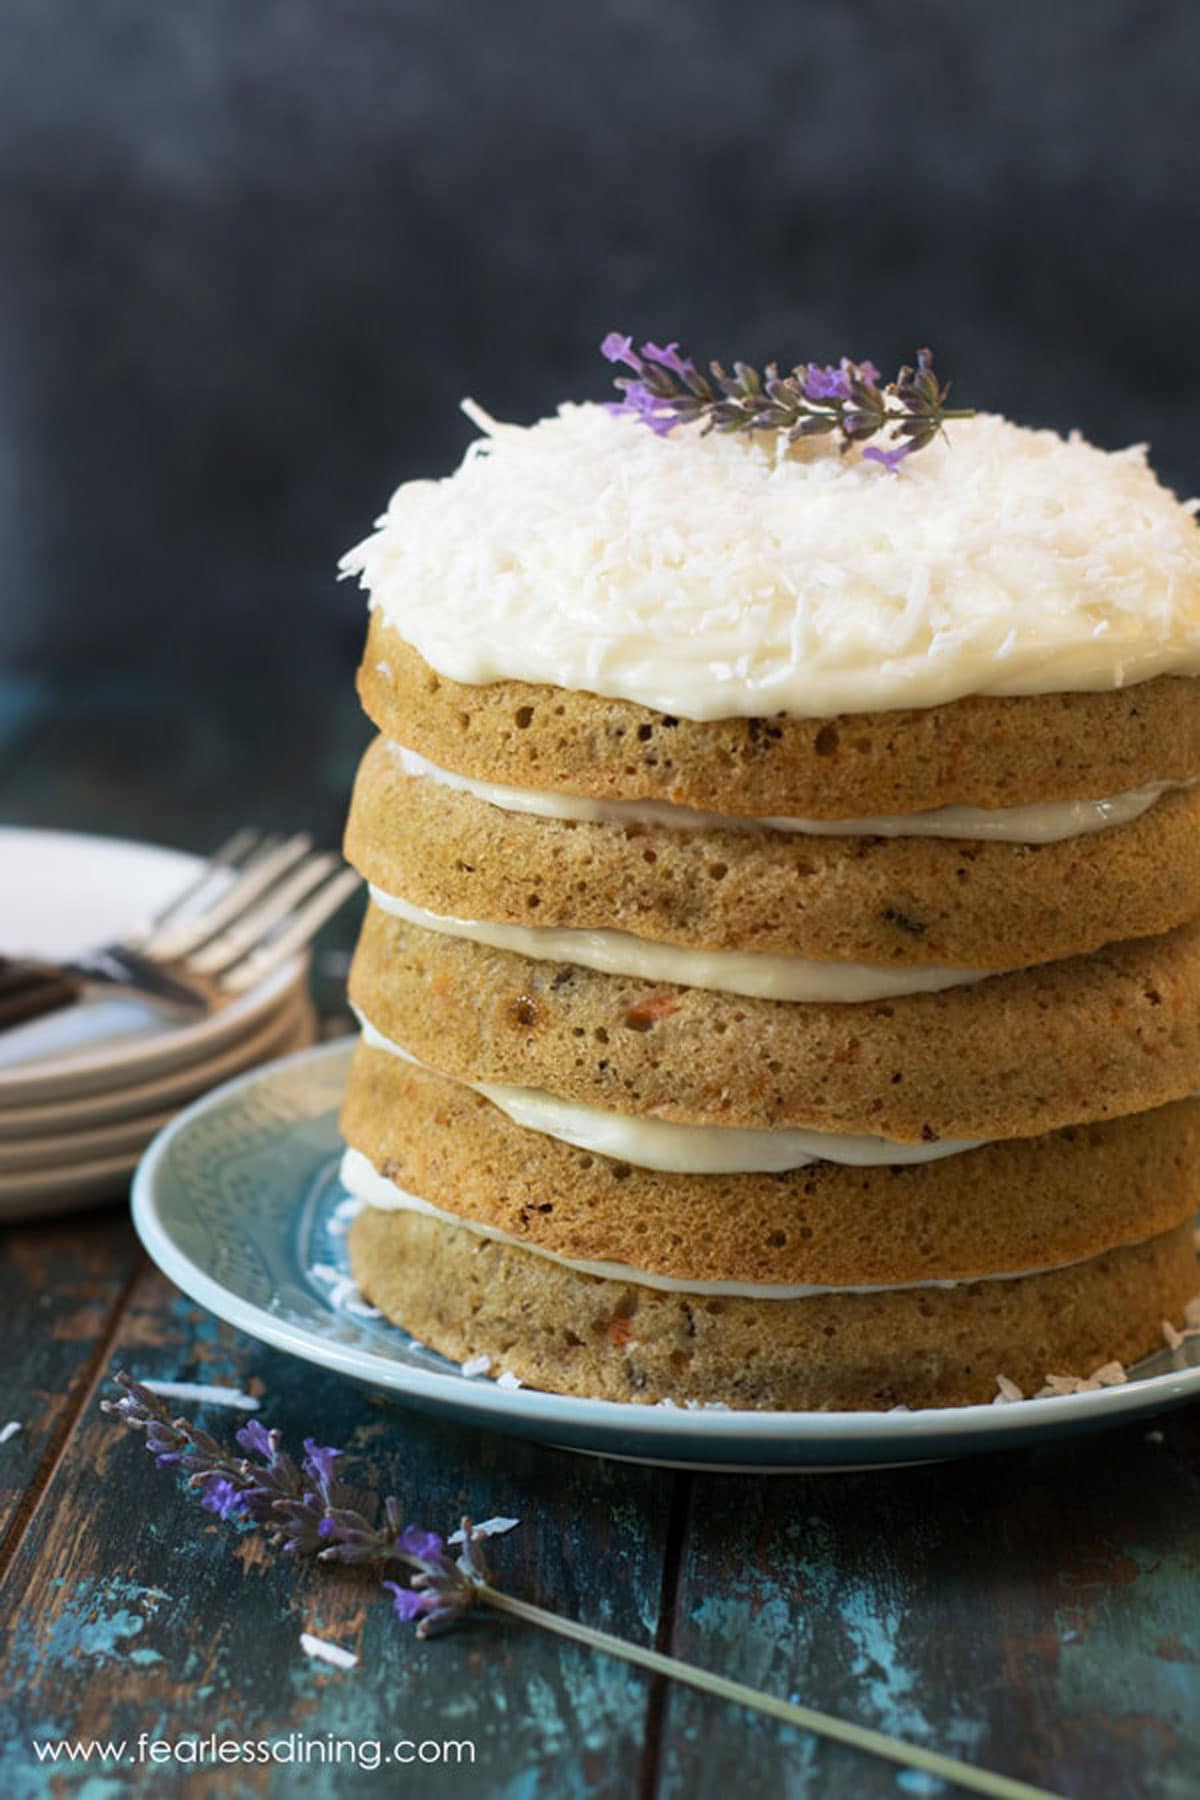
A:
{"x":1110,"y":1374}
{"x":205,"y":1392}
{"x":322,"y":1651}
{"x":718,"y":576}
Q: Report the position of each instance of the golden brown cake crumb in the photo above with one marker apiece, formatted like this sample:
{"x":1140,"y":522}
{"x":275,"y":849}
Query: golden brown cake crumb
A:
{"x":1096,"y":1037}
{"x":1029,"y":1204}
{"x":894,"y":901}
{"x":467,"y":1296}
{"x":981,"y":751}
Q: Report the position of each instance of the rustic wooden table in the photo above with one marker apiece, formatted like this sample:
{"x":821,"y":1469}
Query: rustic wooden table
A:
{"x":1038,"y":1613}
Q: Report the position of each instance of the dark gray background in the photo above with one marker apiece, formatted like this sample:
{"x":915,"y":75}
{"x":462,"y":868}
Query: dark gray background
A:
{"x":252,"y":254}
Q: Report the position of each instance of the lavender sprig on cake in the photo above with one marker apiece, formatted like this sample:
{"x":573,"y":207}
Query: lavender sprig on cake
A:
{"x":813,"y":400}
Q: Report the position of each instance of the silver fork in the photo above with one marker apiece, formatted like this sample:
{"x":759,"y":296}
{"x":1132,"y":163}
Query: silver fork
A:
{"x":254,"y":904}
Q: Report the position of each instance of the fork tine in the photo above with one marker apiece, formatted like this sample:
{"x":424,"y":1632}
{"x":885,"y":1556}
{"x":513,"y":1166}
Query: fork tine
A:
{"x":230,"y":852}
{"x":303,"y":927}
{"x":253,"y":925}
{"x":264,"y":868}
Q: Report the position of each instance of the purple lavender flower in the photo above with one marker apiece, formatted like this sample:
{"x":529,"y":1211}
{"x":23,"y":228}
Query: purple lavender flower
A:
{"x":410,"y":1604}
{"x":436,"y":1605}
{"x":170,"y":1441}
{"x":620,"y":349}
{"x":426,"y":1546}
{"x":667,"y":356}
{"x":640,"y":403}
{"x":296,"y":1529}
{"x":891,"y":459}
{"x":256,"y":1438}
{"x":318,"y":1464}
{"x":221,"y":1497}
{"x":824,"y":382}
{"x":164,"y":1444}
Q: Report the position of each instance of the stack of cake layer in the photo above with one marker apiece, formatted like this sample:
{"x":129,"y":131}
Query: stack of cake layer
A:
{"x":725,"y":1042}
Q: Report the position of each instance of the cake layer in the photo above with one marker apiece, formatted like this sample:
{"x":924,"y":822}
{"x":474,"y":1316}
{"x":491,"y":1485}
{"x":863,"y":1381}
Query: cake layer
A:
{"x":1095,"y":1037}
{"x":979,"y":751}
{"x":553,"y":1328}
{"x":891,"y":901}
{"x":684,"y":1149}
{"x":1029,"y":1204}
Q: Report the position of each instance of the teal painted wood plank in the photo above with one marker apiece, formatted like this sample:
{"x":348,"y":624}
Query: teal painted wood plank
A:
{"x":1037,"y":1613}
{"x":128,"y":1609}
{"x":61,"y":1283}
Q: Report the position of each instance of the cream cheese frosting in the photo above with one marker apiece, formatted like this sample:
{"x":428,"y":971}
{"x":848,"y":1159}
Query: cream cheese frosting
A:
{"x":1050,"y":822}
{"x":757,"y":974}
{"x":727,"y":576}
{"x":361,"y":1179}
{"x":683,"y":1149}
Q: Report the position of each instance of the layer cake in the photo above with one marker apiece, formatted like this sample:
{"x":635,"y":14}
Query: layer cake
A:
{"x":781,"y":982}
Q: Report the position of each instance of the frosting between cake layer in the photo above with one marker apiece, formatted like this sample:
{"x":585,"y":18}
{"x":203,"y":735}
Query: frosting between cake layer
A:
{"x":730,"y":576}
{"x":756,"y":974}
{"x":683,"y":1149}
{"x":361,"y":1179}
{"x":1050,"y":822}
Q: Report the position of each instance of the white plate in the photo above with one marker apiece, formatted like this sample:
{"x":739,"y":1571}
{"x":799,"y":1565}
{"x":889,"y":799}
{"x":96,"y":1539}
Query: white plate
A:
{"x":104,"y":1174}
{"x":290,"y":1028}
{"x":60,"y":894}
{"x":44,"y":1155}
{"x":238,"y":1202}
{"x":46,"y":1192}
{"x":163,"y":1093}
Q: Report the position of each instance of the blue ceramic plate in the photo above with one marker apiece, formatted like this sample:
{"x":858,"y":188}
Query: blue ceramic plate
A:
{"x":238,"y":1202}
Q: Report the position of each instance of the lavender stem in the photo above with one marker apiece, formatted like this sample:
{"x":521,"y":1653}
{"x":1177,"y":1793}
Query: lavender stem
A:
{"x":806,"y":1718}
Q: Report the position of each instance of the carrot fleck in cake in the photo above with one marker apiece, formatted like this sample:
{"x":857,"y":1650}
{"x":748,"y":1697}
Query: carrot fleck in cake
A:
{"x":781,"y":982}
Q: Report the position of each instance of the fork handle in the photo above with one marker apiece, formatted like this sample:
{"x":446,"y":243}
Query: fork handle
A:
{"x":28,"y":989}
{"x":122,"y":967}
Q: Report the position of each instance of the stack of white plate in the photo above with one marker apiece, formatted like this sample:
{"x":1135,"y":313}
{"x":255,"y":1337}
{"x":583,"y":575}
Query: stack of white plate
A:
{"x":83,"y":1090}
